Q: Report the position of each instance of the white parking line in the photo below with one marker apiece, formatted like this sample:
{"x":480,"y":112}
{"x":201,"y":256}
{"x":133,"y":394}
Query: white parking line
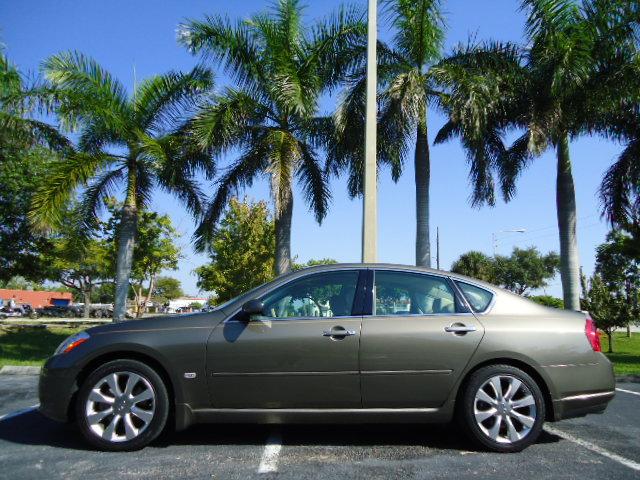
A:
{"x":7,"y":416}
{"x":594,"y":448}
{"x":627,"y":391}
{"x":269,"y":461}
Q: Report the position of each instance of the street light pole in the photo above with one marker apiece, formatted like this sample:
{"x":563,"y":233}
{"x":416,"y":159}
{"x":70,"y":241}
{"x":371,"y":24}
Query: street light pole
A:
{"x":494,"y":237}
{"x":370,"y":202}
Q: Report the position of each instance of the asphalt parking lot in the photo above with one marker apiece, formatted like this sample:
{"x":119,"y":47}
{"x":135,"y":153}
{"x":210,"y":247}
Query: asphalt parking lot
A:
{"x":596,"y":447}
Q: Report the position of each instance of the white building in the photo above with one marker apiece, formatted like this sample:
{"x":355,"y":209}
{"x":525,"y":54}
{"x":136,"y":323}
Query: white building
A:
{"x":183,"y":304}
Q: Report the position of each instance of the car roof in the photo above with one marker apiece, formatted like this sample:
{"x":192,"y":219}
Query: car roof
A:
{"x":391,"y":266}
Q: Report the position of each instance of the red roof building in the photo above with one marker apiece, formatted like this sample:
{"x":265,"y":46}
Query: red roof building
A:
{"x":35,"y":298}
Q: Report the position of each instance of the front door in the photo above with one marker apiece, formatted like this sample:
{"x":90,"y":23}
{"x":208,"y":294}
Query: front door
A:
{"x":416,"y":343}
{"x":301,"y":353}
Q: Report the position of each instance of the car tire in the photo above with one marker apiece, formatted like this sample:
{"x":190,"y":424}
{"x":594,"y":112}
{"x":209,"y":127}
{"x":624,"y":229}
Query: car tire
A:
{"x":139,"y":422}
{"x":505,"y":421}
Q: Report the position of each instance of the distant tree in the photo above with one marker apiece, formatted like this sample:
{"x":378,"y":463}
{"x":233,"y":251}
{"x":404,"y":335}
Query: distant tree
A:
{"x":525,"y":269}
{"x":547,"y":300}
{"x":78,"y":260}
{"x":476,"y":265}
{"x":103,"y":293}
{"x":242,"y":251}
{"x":313,"y":262}
{"x":18,"y":282}
{"x":168,"y":288}
{"x":619,"y":267}
{"x":196,"y":305}
{"x":608,"y":308}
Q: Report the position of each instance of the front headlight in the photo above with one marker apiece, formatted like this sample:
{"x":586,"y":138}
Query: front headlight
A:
{"x":72,"y":342}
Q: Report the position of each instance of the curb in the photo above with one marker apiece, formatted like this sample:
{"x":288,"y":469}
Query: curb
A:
{"x":628,"y":378}
{"x":19,"y":370}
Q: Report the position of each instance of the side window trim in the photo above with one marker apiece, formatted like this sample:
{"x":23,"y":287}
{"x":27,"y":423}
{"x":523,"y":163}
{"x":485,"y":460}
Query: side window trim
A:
{"x":461,"y":304}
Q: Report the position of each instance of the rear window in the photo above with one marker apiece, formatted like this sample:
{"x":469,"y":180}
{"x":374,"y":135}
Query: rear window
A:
{"x":478,"y":298}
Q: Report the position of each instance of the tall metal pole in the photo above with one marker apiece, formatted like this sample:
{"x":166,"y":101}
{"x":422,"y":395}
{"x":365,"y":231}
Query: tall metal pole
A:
{"x":370,"y":204}
{"x":438,"y":248}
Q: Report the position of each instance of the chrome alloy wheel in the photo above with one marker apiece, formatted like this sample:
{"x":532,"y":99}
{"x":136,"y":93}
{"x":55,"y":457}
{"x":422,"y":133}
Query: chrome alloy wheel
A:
{"x":120,"y":406}
{"x":504,"y":409}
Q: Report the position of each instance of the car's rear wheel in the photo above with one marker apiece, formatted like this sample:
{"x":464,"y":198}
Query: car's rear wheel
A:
{"x":502,"y":408}
{"x":122,"y":405}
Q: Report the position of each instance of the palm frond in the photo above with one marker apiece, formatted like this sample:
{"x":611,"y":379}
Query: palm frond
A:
{"x":228,"y":121}
{"x":337,"y":45}
{"x":419,"y":26}
{"x":64,"y":176}
{"x":620,"y":187}
{"x":314,"y":182}
{"x":94,"y":196}
{"x":283,"y":155}
{"x":512,"y":163}
{"x":162,"y":100}
{"x":87,"y":91}
{"x":232,"y":45}
{"x":547,"y":17}
{"x":175,"y":166}
{"x":251,"y":163}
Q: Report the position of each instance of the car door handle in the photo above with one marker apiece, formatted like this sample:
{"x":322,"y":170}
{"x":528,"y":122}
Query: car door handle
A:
{"x":459,"y":328}
{"x":338,"y":332}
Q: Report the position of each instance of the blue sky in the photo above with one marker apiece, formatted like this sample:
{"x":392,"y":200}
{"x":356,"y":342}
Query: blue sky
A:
{"x":123,"y":33}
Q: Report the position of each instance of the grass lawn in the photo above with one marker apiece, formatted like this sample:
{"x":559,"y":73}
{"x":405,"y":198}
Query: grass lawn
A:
{"x":626,"y":353}
{"x":31,"y":346}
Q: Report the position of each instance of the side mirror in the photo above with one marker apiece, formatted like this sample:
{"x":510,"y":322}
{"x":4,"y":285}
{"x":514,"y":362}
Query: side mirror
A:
{"x":253,"y":307}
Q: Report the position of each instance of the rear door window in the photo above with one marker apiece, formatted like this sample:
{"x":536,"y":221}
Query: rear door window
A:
{"x":404,"y":293}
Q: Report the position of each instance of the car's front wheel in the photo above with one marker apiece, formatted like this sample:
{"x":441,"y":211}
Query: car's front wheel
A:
{"x":502,"y":408}
{"x":122,"y":405}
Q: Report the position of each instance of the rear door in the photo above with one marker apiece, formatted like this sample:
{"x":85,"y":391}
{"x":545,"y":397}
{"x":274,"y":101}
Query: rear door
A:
{"x":301,"y":353}
{"x":417,"y":341}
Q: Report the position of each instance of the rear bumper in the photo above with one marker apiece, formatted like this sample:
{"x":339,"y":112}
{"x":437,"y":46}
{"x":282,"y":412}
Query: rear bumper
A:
{"x":580,"y":405}
{"x":56,"y":389}
{"x":581,"y":388}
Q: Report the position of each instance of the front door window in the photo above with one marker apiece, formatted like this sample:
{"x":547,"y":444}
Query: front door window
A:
{"x":327,"y":295}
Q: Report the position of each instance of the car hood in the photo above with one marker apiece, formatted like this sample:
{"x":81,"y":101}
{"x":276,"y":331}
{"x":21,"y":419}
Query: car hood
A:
{"x":164,"y":322}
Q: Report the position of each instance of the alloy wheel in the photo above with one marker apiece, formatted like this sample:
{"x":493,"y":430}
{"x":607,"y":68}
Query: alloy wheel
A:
{"x":504,"y":409}
{"x":120,"y":406}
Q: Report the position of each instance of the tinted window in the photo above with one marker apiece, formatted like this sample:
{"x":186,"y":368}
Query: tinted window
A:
{"x":478,"y":298}
{"x":328,"y":294}
{"x":400,"y":293}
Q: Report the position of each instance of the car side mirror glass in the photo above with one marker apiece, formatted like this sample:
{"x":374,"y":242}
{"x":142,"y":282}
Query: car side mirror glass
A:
{"x":253,"y":307}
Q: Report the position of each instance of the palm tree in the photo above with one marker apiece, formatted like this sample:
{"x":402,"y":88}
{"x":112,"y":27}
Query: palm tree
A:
{"x":123,"y":142}
{"x":549,"y":90}
{"x":405,"y":74}
{"x":280,"y":68}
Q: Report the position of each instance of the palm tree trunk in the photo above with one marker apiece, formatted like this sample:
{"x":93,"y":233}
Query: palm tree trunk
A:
{"x":567,"y":219}
{"x":422,"y":179}
{"x":283,"y":233}
{"x":126,"y":242}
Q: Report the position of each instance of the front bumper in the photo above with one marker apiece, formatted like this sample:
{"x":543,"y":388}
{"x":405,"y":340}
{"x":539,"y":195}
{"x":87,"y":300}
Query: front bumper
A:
{"x":56,"y":389}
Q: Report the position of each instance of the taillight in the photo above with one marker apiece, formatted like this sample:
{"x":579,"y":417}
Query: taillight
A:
{"x":592,"y":334}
